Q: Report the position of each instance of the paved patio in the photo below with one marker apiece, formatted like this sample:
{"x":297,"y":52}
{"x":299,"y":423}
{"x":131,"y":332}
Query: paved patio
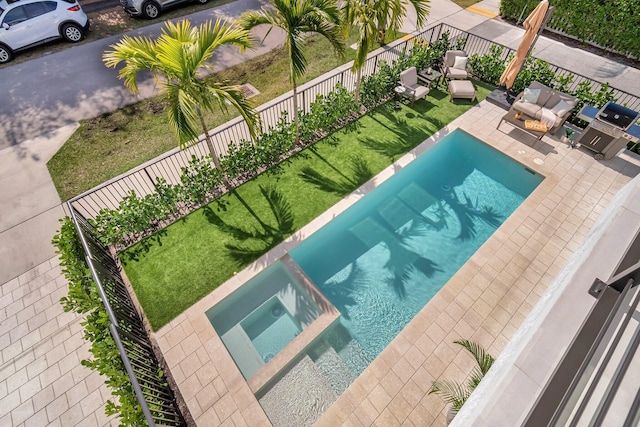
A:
{"x":42,"y":382}
{"x":486,"y":300}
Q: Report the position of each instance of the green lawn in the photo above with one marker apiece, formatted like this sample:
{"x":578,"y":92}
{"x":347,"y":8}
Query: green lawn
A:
{"x":465,"y":3}
{"x":189,"y":259}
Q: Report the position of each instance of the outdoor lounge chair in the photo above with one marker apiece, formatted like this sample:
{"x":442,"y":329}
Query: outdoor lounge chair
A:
{"x":409,"y":81}
{"x":455,"y":65}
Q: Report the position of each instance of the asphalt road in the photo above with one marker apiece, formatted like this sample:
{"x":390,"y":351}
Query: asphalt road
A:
{"x":63,"y":87}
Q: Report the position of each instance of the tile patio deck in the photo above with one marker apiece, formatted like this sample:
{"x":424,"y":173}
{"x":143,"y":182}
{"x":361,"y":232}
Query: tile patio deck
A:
{"x":485,"y":301}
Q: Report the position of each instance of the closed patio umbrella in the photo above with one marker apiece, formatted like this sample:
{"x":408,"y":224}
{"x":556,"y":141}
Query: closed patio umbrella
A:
{"x":532,"y":25}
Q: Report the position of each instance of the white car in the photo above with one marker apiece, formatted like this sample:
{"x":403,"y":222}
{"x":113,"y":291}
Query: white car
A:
{"x":27,"y":23}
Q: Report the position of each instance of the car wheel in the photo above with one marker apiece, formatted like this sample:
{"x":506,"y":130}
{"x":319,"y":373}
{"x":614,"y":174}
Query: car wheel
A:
{"x":72,"y":32}
{"x":202,"y":1}
{"x":150,"y":10}
{"x":6,"y":54}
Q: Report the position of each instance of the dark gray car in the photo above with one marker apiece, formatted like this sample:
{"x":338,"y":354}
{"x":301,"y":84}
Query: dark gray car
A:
{"x":151,"y":9}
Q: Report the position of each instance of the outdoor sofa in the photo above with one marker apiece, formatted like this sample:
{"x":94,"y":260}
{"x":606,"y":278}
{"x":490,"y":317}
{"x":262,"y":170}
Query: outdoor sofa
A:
{"x":540,"y":103}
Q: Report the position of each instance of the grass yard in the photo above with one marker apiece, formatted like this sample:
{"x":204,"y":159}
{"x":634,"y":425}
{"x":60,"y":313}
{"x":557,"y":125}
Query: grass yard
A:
{"x":465,"y":3}
{"x":113,"y":143}
{"x":171,"y":271}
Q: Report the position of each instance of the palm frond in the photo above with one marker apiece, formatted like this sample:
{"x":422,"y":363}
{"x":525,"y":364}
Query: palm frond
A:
{"x":182,"y":115}
{"x":422,"y":8}
{"x":221,"y":94}
{"x":451,"y":392}
{"x":483,"y":359}
{"x":139,"y":53}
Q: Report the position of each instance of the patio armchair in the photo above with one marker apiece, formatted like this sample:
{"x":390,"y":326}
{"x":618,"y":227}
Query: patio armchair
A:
{"x":409,"y":81}
{"x":455,"y":65}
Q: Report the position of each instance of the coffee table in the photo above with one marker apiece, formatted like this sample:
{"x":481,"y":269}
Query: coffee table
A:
{"x":510,"y":117}
{"x":429,"y":78}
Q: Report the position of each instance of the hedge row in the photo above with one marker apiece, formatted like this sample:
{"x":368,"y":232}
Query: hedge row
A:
{"x":613,"y":25}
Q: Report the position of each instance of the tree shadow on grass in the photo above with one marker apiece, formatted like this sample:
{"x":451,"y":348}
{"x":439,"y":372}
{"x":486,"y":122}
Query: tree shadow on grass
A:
{"x":135,"y":252}
{"x":255,"y":241}
{"x":360,"y":173}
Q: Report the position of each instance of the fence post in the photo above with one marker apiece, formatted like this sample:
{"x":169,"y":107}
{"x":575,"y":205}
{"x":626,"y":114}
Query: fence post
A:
{"x":150,"y":180}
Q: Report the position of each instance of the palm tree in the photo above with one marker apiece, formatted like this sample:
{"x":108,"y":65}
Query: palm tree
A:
{"x":390,"y":13}
{"x":371,"y":19}
{"x":457,"y":394}
{"x":297,"y":18}
{"x":177,"y":56}
{"x":359,"y":15}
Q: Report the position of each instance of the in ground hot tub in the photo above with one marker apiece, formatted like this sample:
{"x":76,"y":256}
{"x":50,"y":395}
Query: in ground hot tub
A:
{"x":262,"y":317}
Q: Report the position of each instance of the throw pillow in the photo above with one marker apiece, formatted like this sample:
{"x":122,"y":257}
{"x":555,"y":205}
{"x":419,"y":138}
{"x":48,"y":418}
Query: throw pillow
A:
{"x":460,"y":62}
{"x":531,"y":95}
{"x":561,"y":108}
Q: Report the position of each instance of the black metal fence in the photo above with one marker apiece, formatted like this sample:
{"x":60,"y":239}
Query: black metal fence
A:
{"x":156,"y":398}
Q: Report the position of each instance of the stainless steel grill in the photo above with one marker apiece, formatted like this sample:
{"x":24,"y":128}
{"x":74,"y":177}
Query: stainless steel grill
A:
{"x":617,"y":115}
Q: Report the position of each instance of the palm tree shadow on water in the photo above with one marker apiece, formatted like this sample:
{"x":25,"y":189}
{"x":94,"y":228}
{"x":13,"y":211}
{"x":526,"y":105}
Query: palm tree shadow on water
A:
{"x":467,"y":212}
{"x":255,"y":241}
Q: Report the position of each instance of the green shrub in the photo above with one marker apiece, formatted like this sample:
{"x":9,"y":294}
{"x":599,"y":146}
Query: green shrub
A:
{"x":488,"y":67}
{"x":198,"y":179}
{"x":83,"y":299}
{"x":614,"y":25}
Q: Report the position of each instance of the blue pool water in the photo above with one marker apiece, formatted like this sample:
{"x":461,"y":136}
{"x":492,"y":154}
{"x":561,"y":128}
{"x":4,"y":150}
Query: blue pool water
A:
{"x":385,"y":257}
{"x":261,"y":317}
{"x":271,"y":328}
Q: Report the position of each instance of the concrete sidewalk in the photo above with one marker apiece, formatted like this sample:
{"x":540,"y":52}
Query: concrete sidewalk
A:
{"x":41,"y":381}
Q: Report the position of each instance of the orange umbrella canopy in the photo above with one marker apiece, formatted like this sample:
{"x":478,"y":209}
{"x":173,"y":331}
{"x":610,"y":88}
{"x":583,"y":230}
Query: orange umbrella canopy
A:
{"x":531,"y":25}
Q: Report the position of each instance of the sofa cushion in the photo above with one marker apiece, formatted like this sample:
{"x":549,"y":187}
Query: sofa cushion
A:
{"x":545,"y":93}
{"x":460,"y":62}
{"x":527,"y":108}
{"x":531,"y":95}
{"x":561,"y":108}
{"x":456,"y":73}
{"x":552,"y":101}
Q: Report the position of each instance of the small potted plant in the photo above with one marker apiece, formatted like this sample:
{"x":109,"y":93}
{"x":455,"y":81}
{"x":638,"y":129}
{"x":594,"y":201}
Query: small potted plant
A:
{"x":567,"y":138}
{"x":455,"y":393}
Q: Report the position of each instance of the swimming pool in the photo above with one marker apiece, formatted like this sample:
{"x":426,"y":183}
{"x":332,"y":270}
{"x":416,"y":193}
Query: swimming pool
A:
{"x":385,"y":257}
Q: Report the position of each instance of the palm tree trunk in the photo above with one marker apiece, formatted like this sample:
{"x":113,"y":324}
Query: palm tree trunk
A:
{"x":358,"y":82}
{"x":207,"y":137}
{"x":382,"y":31}
{"x":295,"y":110}
{"x":212,"y":150}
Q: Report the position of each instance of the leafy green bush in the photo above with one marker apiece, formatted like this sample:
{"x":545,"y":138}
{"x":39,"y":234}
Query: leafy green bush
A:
{"x":134,"y":216}
{"x":246,"y":158}
{"x":83,"y":299}
{"x":614,"y":25}
{"x":533,"y":70}
{"x":329,"y":112}
{"x":490,"y":66}
{"x":198,"y":179}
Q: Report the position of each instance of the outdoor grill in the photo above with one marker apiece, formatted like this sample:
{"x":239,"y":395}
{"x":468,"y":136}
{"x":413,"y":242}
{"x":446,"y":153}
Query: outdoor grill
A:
{"x":617,"y":115}
{"x":610,"y":129}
